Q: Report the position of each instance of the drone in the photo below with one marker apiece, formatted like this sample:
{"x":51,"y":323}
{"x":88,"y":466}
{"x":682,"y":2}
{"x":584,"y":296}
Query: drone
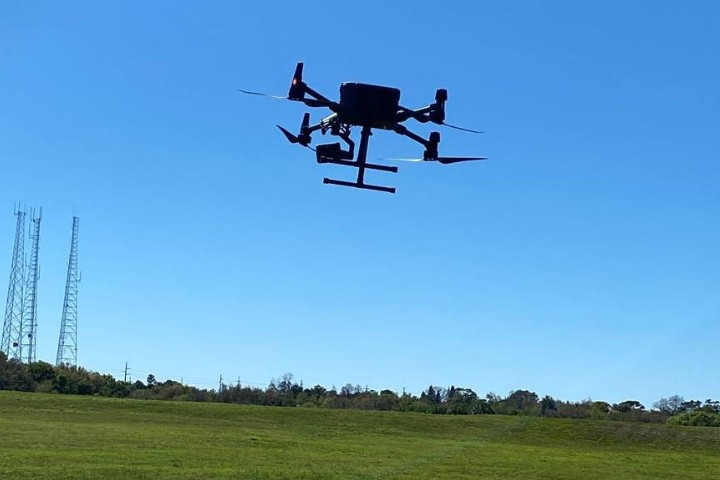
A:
{"x":366,"y":106}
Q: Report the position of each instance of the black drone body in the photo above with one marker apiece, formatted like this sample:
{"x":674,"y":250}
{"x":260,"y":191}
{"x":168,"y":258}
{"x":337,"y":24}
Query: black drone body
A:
{"x":366,"y":106}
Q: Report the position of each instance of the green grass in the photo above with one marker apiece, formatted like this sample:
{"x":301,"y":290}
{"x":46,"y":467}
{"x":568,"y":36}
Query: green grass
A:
{"x":56,"y":436}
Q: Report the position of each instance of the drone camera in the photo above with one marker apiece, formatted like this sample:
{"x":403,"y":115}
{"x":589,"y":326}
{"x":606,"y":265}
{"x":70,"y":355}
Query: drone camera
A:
{"x":331,"y":152}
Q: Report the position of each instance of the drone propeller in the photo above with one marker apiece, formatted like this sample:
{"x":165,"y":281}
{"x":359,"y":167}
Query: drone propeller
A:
{"x":461,"y":128}
{"x":304,"y":137}
{"x":291,"y":138}
{"x":310,"y":102}
{"x":276,"y":97}
{"x":443,"y":160}
{"x":449,"y":160}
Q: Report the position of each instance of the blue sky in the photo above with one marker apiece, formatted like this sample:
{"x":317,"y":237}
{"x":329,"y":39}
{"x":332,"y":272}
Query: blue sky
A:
{"x":581,"y":260}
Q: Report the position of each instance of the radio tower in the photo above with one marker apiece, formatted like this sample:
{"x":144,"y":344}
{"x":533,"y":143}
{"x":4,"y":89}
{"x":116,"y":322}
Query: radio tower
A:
{"x":30,"y":318}
{"x":12,"y":333}
{"x":67,"y":344}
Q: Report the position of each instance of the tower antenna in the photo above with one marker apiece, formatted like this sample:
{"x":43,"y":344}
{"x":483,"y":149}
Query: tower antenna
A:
{"x":12,"y":333}
{"x":67,"y":344}
{"x":30,"y":318}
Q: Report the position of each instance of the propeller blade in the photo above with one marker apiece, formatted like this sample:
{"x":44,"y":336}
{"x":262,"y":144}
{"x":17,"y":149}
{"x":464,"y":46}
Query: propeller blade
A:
{"x":448,"y":160}
{"x":305,"y":122}
{"x":461,"y":128}
{"x":291,"y":138}
{"x":277,"y":97}
{"x":443,"y":160}
{"x":400,"y":159}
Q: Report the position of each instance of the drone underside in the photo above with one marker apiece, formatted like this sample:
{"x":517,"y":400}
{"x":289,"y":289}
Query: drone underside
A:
{"x":366,"y":106}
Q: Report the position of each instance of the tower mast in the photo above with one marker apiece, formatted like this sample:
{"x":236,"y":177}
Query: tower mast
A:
{"x":67,"y":344}
{"x":12,"y":334}
{"x":30,"y":317}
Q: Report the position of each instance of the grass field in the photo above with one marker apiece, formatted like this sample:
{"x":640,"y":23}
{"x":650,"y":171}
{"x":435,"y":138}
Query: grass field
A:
{"x":56,"y":436}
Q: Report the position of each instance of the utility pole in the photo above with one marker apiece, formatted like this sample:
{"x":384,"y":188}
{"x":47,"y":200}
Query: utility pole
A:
{"x":12,"y":333}
{"x":126,"y":373}
{"x":67,"y":343}
{"x":220,"y":386}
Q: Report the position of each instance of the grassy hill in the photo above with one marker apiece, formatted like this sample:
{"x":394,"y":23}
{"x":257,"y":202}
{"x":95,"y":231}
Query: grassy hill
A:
{"x":57,"y":436}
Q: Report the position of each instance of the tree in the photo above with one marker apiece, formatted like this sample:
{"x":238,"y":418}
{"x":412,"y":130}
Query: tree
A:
{"x":285,"y":384}
{"x":712,"y":406}
{"x":41,"y":371}
{"x":628,"y":406}
{"x":151,"y":382}
{"x":671,"y":406}
{"x":14,"y":375}
{"x":463,"y":402}
{"x":522,"y":401}
{"x":547,"y":404}
{"x":387,"y":400}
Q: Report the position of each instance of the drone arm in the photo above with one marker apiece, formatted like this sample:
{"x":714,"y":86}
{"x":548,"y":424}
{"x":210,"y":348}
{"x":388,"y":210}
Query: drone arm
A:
{"x":434,"y":112}
{"x":298,"y":89}
{"x":431,"y":144}
{"x":316,"y":95}
{"x":314,"y":128}
{"x":421,"y":114}
{"x":402,"y":130}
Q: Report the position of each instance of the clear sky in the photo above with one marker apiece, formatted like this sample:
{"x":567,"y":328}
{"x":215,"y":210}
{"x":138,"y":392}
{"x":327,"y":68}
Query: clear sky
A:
{"x":581,"y":260}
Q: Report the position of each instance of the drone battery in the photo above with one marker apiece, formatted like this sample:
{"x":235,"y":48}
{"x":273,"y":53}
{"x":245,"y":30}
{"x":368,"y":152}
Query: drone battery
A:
{"x":371,"y":105}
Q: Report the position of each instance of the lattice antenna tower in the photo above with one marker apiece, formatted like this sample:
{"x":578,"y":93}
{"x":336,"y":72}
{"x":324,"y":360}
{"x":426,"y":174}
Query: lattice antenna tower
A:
{"x":13,"y":333}
{"x":67,"y":344}
{"x":30,"y":318}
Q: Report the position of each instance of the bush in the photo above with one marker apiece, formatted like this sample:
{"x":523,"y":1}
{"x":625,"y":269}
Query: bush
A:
{"x":696,"y":419}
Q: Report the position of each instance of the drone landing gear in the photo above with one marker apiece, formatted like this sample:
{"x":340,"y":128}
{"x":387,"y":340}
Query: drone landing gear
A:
{"x":332,"y":153}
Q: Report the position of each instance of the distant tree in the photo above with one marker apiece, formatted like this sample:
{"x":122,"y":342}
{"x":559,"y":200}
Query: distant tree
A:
{"x":547,"y":405}
{"x":628,"y":406}
{"x":691,"y":405}
{"x":463,"y":402}
{"x":712,"y":406}
{"x":429,"y":394}
{"x":151,"y":382}
{"x":14,"y":375}
{"x":671,"y":406}
{"x":387,"y":400}
{"x":41,"y":371}
{"x":599,"y":409}
{"x":285,"y":384}
{"x":522,"y":401}
{"x":347,"y":391}
{"x":317,"y":391}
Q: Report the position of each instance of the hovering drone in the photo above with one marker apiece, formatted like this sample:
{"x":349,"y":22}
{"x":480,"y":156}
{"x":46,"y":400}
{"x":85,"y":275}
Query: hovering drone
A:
{"x":366,"y":106}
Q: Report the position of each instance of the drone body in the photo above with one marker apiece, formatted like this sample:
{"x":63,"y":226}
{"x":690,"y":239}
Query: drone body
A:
{"x":366,"y":106}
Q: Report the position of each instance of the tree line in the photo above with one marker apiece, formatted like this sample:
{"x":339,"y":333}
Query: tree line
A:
{"x":285,"y":391}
